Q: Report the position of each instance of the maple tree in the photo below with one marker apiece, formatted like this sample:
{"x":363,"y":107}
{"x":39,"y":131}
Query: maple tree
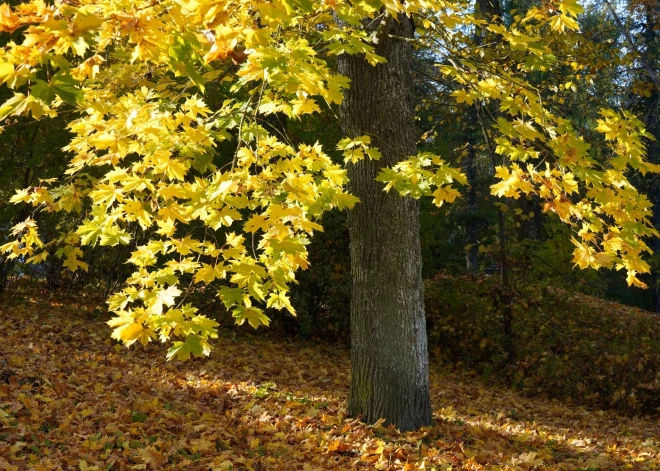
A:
{"x":138,"y":77}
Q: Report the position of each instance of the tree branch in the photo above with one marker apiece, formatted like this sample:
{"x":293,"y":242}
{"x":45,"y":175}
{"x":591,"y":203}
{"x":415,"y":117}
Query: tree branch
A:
{"x":647,"y":67}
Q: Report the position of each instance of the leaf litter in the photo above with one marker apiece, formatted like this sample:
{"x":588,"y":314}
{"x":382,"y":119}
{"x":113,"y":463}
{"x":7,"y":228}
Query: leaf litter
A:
{"x":71,"y":398}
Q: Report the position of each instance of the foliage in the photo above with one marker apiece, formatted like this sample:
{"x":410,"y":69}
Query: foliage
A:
{"x":173,"y":157}
{"x":70,"y":400}
{"x":155,"y":146}
{"x":569,"y":346}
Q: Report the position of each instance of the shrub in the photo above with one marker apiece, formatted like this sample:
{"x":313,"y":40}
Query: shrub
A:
{"x":570,"y":346}
{"x":322,"y":295}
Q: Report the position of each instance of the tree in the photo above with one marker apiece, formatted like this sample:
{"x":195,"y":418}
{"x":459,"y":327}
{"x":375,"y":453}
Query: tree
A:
{"x":389,"y":357}
{"x":213,"y":201}
{"x":642,"y":40}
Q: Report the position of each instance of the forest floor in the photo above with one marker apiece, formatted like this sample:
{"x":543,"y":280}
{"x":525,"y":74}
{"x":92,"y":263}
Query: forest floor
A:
{"x":71,"y":398}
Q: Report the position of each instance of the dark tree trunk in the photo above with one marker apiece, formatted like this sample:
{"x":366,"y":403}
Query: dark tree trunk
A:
{"x":652,"y":118}
{"x":653,"y":126}
{"x":389,"y":377}
{"x":472,"y":225}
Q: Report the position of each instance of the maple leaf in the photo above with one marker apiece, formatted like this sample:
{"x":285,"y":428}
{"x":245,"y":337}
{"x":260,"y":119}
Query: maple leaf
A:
{"x":208,"y":273}
{"x":164,"y":297}
{"x":193,"y":345}
{"x":443,"y":194}
{"x":254,"y":316}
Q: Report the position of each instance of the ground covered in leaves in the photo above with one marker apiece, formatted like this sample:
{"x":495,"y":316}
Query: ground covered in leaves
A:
{"x":70,"y":398}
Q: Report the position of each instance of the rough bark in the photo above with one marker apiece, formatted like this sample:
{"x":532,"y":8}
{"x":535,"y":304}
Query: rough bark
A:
{"x":389,"y":377}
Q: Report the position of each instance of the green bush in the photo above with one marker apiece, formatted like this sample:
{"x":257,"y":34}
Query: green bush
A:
{"x":322,"y":293}
{"x":570,"y":346}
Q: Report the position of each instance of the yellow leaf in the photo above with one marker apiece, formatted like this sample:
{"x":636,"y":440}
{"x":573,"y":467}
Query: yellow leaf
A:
{"x":443,"y":194}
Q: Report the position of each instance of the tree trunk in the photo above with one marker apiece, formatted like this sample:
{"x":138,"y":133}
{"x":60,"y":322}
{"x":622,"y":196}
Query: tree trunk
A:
{"x":653,"y":153}
{"x":472,"y":224}
{"x":652,"y":122}
{"x":389,"y":355}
